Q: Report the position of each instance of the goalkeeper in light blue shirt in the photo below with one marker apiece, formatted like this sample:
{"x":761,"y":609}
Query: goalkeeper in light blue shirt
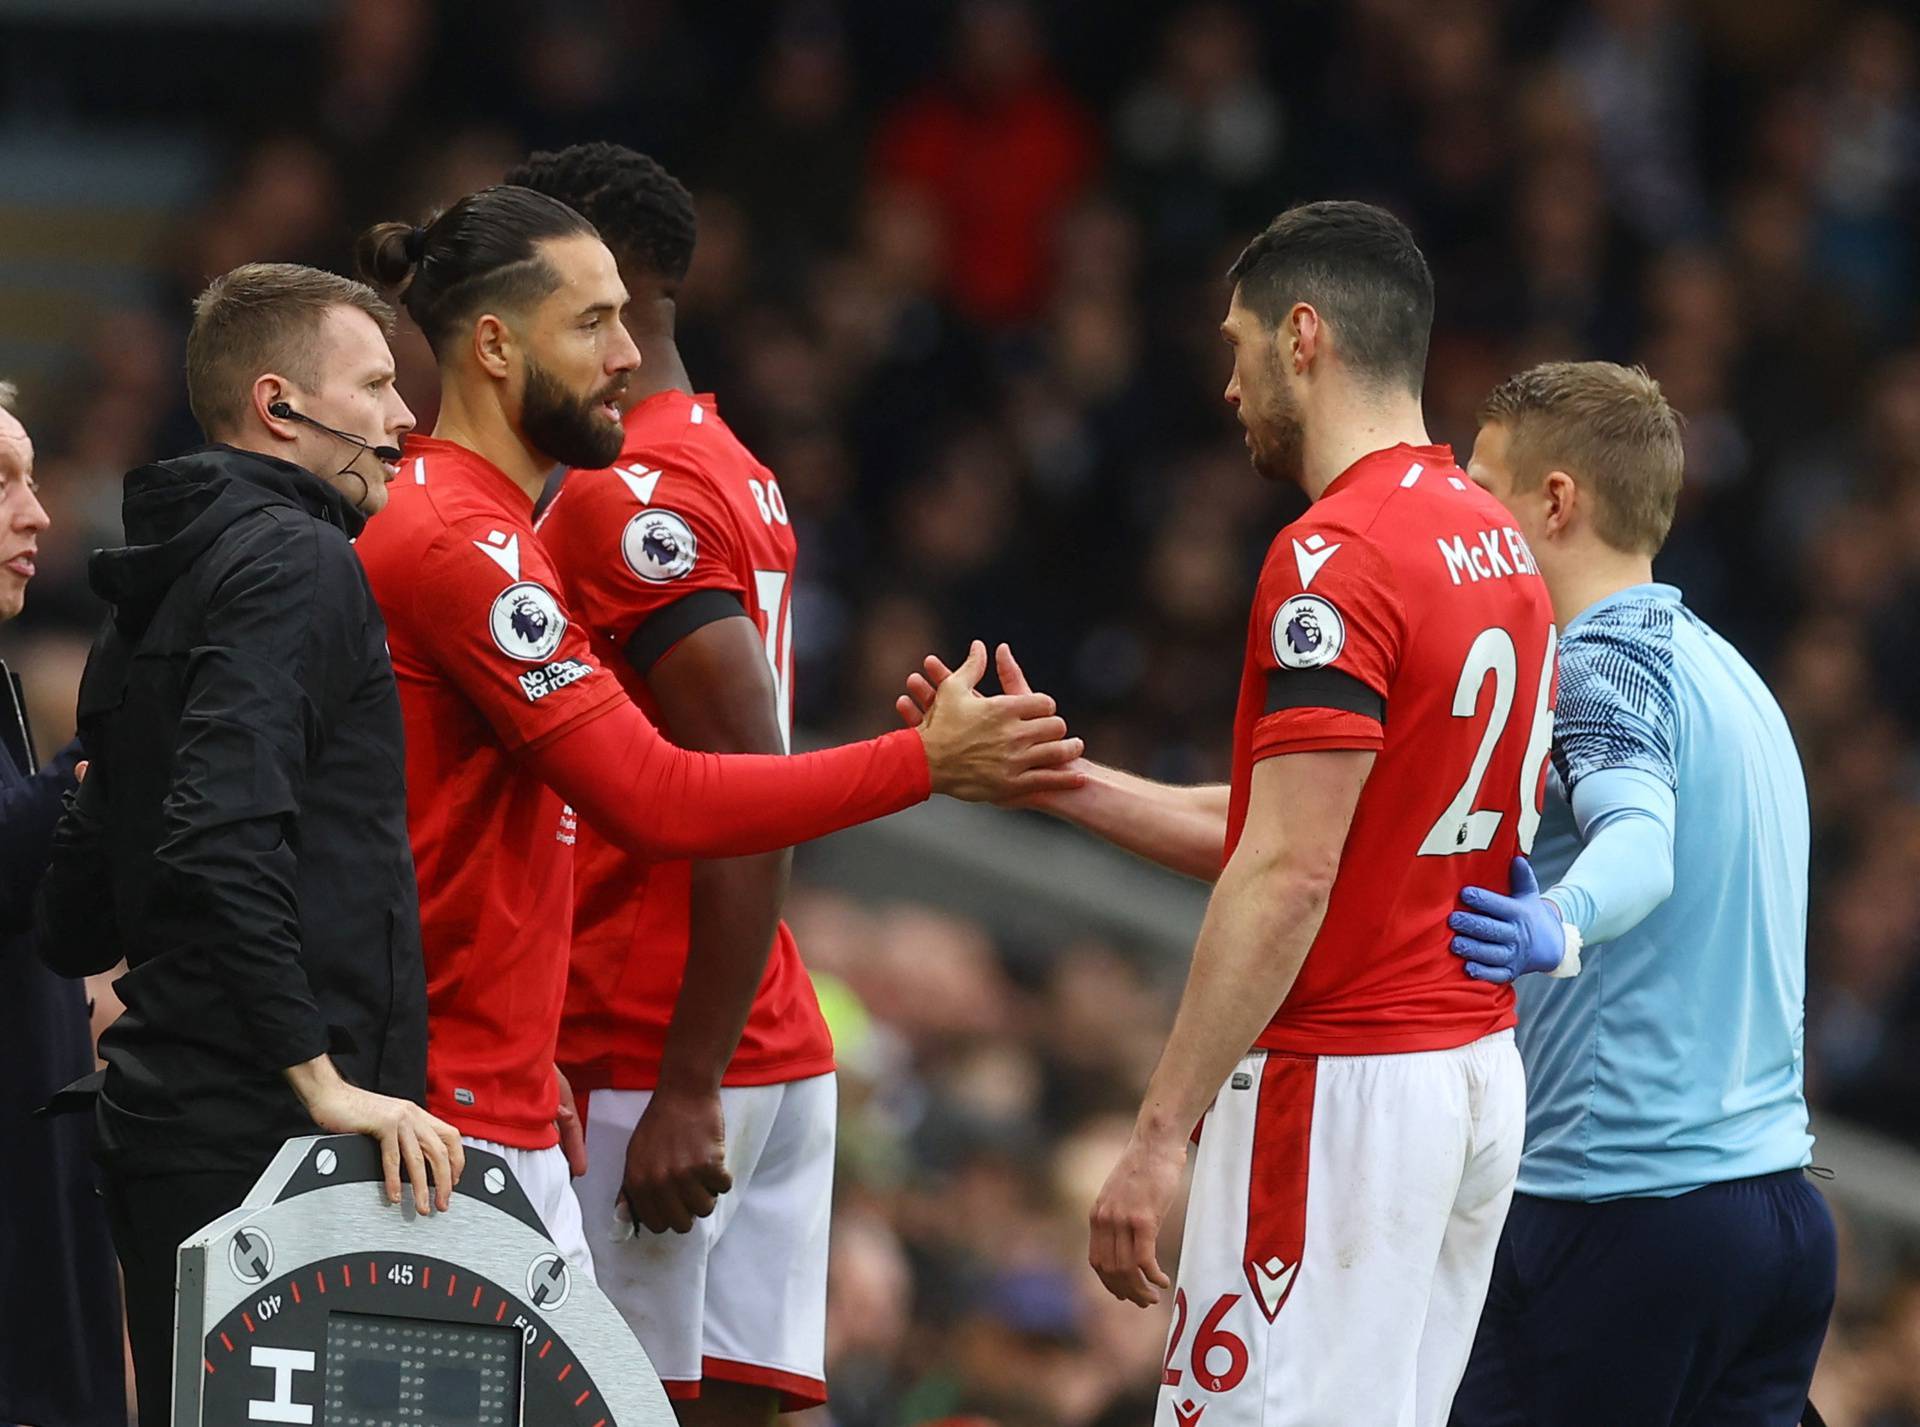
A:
{"x":1665,"y":1260}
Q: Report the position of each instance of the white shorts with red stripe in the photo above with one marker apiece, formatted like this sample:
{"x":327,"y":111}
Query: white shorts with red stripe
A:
{"x":743,"y":1297}
{"x":1340,"y":1236}
{"x":548,"y":1185}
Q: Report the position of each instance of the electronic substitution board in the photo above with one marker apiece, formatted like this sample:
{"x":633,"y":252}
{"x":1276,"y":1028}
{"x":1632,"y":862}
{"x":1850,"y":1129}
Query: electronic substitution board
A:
{"x":318,"y":1302}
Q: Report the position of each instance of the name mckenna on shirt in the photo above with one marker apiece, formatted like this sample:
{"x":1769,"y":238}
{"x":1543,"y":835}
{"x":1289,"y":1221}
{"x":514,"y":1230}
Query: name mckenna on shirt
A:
{"x":1483,"y":558}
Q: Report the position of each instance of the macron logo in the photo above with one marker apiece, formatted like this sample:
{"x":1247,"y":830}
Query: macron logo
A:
{"x":639,"y":480}
{"x":1311,"y":556}
{"x":1271,"y":1280}
{"x":503,"y":549}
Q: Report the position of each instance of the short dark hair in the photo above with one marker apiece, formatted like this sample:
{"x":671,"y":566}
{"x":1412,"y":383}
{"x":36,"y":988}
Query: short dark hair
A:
{"x":259,"y":318}
{"x":482,"y":253}
{"x":1607,"y":426}
{"x":1359,"y":268}
{"x":644,"y":214}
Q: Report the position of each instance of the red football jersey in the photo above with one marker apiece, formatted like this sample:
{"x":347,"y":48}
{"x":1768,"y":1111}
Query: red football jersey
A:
{"x":685,"y":512}
{"x":488,"y":665}
{"x":1402,"y":613}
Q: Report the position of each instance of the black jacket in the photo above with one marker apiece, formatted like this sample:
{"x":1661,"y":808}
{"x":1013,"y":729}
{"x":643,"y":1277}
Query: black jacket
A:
{"x":241,"y":835}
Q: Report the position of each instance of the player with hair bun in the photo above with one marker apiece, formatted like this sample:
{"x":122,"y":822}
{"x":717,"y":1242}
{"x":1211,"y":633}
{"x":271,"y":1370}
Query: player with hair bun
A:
{"x":513,"y":725}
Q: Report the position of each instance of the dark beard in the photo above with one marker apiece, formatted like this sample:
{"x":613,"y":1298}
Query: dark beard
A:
{"x":1279,"y":450}
{"x":1280,"y":444}
{"x":566,"y":428}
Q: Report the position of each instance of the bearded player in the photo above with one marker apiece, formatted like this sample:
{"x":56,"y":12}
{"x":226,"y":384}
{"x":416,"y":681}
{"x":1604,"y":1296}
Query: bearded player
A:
{"x":690,"y":1018}
{"x":1363,"y":1101}
{"x":513,"y":725}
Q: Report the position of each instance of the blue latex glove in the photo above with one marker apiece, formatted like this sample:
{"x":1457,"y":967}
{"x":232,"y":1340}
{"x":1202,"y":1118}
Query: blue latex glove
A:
{"x":1504,"y":937}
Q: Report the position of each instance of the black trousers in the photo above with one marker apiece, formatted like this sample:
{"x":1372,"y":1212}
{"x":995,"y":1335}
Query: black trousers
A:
{"x":1703,"y":1310}
{"x":149,"y":1216}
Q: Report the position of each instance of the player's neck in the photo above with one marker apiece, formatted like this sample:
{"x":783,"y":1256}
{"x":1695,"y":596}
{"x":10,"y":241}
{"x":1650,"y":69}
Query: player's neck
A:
{"x":1347,"y":429}
{"x":660,"y":370}
{"x":482,"y":427}
{"x":650,"y":322}
{"x":1577,"y":586}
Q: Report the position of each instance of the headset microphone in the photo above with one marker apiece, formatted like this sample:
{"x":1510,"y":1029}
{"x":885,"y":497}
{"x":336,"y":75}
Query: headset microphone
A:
{"x":287,"y":413}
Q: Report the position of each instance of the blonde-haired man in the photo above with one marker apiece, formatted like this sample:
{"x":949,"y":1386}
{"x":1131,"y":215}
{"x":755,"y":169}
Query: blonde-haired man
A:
{"x":1665,"y":1259}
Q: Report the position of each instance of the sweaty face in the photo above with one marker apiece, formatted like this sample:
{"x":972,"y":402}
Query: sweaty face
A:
{"x":354,"y":393}
{"x":1259,"y":392}
{"x":579,"y":358}
{"x":22,"y":518}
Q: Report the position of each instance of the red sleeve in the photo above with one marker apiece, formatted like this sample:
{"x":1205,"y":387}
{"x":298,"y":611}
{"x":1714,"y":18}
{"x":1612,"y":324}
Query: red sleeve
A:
{"x":639,"y":539}
{"x":489,"y":612}
{"x":1330,"y":629}
{"x":661,"y":802}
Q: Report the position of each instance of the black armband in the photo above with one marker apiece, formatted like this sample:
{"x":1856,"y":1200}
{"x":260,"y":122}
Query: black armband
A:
{"x":1323,"y":689}
{"x":663,"y":629}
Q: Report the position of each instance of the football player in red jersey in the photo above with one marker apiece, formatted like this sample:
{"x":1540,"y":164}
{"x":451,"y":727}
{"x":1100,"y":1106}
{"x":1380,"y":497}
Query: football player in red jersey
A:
{"x":691,"y":1024}
{"x":1360,"y":1102}
{"x":513,"y":725}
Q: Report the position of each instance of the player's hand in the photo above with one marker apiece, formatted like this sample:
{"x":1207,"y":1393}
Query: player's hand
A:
{"x":573,"y":1135}
{"x":922,"y":687}
{"x":1504,"y":937}
{"x":676,"y":1161}
{"x":410,"y":1139}
{"x":1033,"y":757}
{"x":1126,"y":1219}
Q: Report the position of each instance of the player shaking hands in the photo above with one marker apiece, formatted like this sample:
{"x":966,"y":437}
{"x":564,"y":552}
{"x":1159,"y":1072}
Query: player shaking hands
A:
{"x":1362,"y":1100}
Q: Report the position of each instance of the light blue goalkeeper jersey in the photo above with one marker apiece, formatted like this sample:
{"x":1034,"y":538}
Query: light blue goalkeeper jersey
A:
{"x":1673,"y":1060}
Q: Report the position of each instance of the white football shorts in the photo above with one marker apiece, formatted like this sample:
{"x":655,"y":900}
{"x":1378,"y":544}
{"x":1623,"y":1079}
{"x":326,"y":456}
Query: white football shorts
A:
{"x":1340,"y":1237}
{"x":548,"y":1183}
{"x":743,"y":1297}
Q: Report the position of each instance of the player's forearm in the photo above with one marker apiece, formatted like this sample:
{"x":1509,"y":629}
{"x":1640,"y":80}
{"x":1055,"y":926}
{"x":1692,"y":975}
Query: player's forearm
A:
{"x":643,"y":794}
{"x":1623,"y":873}
{"x":313,"y":1080}
{"x":735,"y":908}
{"x":1260,"y":922}
{"x":1181,"y":828}
{"x":1625,"y":868}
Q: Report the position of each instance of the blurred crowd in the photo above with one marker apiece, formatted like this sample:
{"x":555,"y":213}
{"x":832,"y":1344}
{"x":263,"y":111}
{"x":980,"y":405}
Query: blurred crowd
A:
{"x":957,"y":284}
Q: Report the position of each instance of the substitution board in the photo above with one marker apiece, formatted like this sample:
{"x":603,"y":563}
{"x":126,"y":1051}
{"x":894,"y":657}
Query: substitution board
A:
{"x":317,"y":1302}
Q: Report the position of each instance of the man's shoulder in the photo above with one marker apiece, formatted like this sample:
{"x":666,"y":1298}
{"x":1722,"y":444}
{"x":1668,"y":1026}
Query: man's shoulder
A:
{"x":1643,"y":621}
{"x":420,"y":517}
{"x":1314,"y":540}
{"x":690,"y":454}
{"x":1619,"y":701}
{"x":284,"y":537}
{"x":1622,"y":653}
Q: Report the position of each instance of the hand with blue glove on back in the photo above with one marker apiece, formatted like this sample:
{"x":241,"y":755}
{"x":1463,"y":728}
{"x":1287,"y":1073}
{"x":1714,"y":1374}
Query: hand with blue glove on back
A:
{"x":1504,"y":937}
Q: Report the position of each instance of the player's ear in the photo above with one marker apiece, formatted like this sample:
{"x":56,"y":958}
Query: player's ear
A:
{"x":1562,"y":495}
{"x":1301,"y":335}
{"x":492,"y":345}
